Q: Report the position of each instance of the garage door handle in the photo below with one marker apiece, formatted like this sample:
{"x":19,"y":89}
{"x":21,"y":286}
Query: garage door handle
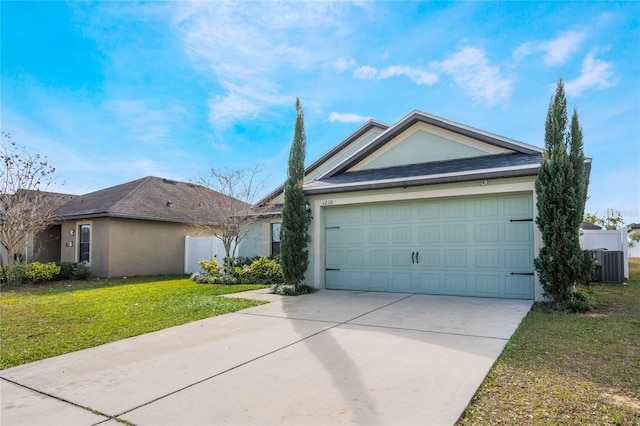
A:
{"x":413,"y":257}
{"x":417,"y":259}
{"x":522,"y":273}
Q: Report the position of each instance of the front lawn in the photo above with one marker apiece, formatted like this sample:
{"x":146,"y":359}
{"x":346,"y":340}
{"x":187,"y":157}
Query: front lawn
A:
{"x":562,"y":368}
{"x":43,"y":321}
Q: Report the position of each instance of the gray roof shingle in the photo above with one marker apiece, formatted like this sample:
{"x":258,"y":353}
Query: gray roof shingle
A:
{"x":483,"y":167}
{"x":149,"y":198}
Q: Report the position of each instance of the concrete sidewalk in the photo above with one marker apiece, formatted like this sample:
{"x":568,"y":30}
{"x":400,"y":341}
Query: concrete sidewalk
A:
{"x":333,"y":357}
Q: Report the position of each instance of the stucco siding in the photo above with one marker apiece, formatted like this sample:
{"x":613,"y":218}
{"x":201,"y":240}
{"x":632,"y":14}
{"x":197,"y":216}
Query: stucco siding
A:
{"x":128,"y":247}
{"x":139,"y":247}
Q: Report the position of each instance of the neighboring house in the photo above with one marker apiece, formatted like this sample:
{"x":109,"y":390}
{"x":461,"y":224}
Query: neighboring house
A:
{"x":47,"y":246}
{"x":426,"y":205}
{"x":137,"y":228}
{"x":590,"y":226}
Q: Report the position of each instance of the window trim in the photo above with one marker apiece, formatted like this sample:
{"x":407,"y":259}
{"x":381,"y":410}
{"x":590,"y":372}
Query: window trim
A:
{"x":79,"y":236}
{"x":272,"y":241}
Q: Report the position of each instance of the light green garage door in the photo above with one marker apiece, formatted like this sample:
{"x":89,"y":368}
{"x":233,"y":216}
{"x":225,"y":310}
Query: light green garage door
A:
{"x":472,"y":246}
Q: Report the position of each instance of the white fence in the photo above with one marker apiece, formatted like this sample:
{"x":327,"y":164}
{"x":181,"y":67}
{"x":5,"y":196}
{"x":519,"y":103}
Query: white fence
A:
{"x":615,"y":240}
{"x":198,"y":248}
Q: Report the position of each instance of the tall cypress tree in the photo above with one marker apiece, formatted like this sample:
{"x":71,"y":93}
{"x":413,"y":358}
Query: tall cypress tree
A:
{"x":295,"y":219}
{"x":561,"y":188}
{"x":584,"y":263}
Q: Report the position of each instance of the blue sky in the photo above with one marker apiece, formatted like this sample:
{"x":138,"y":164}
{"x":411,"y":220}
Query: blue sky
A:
{"x":114,"y":91}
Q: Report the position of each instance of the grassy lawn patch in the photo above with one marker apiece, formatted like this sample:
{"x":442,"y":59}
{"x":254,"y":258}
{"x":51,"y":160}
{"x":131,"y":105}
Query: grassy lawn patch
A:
{"x":562,"y":368}
{"x":43,"y":321}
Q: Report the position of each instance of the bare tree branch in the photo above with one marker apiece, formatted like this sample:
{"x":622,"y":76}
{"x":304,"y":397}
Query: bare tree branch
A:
{"x":25,"y":206}
{"x":230,"y":214}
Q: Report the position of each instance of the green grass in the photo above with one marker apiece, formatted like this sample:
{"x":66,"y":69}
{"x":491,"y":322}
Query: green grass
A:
{"x":562,"y":368}
{"x":39,"y":322}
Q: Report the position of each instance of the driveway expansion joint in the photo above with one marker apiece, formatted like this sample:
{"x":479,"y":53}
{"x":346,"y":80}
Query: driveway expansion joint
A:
{"x":448,"y":333}
{"x":57,"y":398}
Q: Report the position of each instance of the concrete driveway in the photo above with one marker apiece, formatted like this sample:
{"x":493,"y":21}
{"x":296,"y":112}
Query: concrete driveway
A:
{"x":333,"y":357}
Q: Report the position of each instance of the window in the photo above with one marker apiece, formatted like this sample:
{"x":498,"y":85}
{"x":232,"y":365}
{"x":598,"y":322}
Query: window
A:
{"x":84,"y":244}
{"x":275,"y":239}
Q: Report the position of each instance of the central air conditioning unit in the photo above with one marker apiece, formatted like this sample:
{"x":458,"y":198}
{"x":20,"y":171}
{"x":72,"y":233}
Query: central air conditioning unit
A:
{"x":609,"y":266}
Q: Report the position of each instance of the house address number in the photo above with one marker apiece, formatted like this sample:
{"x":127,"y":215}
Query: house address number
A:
{"x":327,"y":203}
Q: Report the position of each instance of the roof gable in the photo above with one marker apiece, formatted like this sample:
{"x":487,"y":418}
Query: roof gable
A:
{"x":419,"y":145}
{"x":398,"y":144}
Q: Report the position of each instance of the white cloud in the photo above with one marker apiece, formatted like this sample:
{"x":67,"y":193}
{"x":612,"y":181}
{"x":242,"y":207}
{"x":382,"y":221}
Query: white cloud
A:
{"x":346,"y":117}
{"x":556,"y":51}
{"x":342,"y":64}
{"x":417,"y":75}
{"x":595,"y":74}
{"x":249,"y":46}
{"x":365,"y":73}
{"x":142,"y":119}
{"x":471,"y":70}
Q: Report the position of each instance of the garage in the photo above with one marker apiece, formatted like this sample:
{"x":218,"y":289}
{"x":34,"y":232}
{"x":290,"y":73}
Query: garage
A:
{"x":471,"y":246}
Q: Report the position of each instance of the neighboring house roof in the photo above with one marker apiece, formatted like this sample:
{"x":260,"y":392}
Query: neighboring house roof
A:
{"x":149,"y":198}
{"x":590,"y":226}
{"x":47,"y":201}
{"x":634,"y":227}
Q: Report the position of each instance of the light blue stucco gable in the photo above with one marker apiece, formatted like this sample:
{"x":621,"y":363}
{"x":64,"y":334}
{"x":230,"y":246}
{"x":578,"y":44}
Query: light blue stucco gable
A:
{"x":421,"y":147}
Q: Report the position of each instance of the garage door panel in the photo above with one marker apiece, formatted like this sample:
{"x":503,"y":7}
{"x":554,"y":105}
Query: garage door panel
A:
{"x":333,"y":237}
{"x":519,"y":286}
{"x":486,"y":208}
{"x":429,"y":211}
{"x":429,"y":283}
{"x":354,"y":236}
{"x":401,"y":235}
{"x":518,"y":259}
{"x":455,"y":209}
{"x":486,"y":232}
{"x":428,"y":234}
{"x":402,"y":281}
{"x":519,"y":205}
{"x":455,"y":284}
{"x":401,"y":257}
{"x":454,"y":233}
{"x":380,"y":280}
{"x":379,"y":213}
{"x":380,"y":258}
{"x":354,"y":216}
{"x":401,"y":213}
{"x":487,"y":258}
{"x":488,"y":285}
{"x":429,"y":258}
{"x":455,"y":258}
{"x":334,"y":258}
{"x":474,"y":246}
{"x":379,"y":235}
{"x":355,"y":258}
{"x":518,"y":231}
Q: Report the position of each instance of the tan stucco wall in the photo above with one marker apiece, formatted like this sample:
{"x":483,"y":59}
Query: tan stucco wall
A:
{"x":128,"y":247}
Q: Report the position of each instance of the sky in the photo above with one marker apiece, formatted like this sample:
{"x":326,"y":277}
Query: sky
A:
{"x":112,"y":91}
